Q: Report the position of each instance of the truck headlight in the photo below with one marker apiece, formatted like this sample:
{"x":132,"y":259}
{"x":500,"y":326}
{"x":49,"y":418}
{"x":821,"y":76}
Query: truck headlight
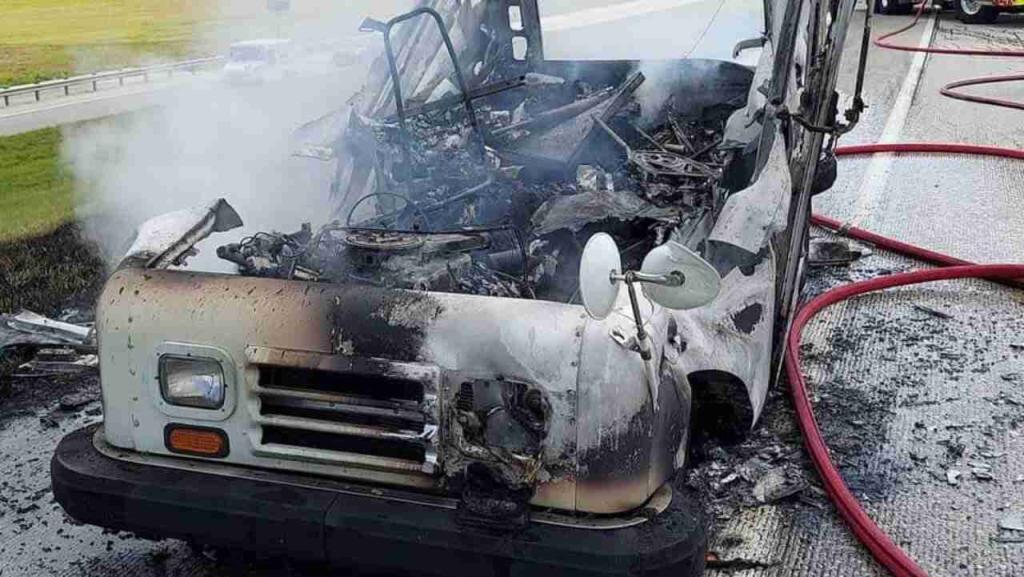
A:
{"x":192,"y":382}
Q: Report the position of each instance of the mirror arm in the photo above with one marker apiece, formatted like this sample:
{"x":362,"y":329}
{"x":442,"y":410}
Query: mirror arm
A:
{"x":641,"y":334}
{"x":674,"y":278}
{"x":630,"y":277}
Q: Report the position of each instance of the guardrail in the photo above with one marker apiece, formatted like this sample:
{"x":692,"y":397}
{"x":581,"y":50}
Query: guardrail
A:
{"x":95,"y":79}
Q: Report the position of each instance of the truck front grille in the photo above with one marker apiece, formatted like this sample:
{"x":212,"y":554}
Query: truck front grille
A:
{"x":357,"y":413}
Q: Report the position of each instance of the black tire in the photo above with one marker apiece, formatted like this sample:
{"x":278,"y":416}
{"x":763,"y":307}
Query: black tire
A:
{"x":893,"y":7}
{"x":972,"y":12}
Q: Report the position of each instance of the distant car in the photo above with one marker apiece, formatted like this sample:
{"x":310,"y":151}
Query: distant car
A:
{"x":969,"y":11}
{"x":255,"y":61}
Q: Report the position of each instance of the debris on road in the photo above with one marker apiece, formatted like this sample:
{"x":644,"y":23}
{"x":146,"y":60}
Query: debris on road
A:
{"x":33,"y":346}
{"x":43,"y":327}
{"x":77,"y":400}
{"x":953,"y":476}
{"x":49,"y":362}
{"x":829,"y":252}
{"x":715,"y":561}
{"x":1012,"y":522}
{"x":774,"y":486}
{"x":932,"y":311}
{"x":981,"y":471}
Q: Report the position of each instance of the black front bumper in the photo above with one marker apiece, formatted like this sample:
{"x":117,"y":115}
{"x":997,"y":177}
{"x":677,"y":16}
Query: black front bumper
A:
{"x":306,"y":522}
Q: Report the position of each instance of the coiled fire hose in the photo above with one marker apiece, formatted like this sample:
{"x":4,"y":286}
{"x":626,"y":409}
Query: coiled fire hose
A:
{"x":885,"y":551}
{"x":948,"y":90}
{"x":880,"y":545}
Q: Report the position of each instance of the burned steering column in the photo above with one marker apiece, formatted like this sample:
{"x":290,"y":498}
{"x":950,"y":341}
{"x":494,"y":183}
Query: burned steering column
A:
{"x":493,"y":189}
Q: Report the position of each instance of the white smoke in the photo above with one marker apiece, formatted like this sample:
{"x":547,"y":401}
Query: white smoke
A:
{"x":648,"y":29}
{"x":206,"y":138}
{"x":656,"y":32}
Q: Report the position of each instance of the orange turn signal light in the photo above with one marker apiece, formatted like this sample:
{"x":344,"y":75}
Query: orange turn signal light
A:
{"x":196,"y":441}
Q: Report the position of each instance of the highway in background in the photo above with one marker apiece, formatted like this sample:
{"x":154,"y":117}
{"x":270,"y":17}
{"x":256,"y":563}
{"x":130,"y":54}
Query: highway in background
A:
{"x":577,"y":29}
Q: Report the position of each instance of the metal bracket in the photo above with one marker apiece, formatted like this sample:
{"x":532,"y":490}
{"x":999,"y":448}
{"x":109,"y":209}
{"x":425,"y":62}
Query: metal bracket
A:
{"x":756,"y":42}
{"x":834,"y":130}
{"x":396,"y":80}
{"x":852,"y":114}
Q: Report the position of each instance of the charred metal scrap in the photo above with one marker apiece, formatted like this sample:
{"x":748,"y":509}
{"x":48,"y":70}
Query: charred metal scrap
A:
{"x":467,"y":168}
{"x":493,"y":191}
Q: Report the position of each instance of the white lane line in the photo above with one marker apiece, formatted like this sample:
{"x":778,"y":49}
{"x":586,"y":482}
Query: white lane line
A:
{"x":877,"y":175}
{"x":613,"y":13}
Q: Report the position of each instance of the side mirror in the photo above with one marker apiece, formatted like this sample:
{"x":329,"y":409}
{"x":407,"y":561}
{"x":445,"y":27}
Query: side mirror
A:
{"x":671,"y":275}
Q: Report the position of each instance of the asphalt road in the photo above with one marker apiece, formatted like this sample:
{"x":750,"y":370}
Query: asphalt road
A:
{"x":967,"y":207}
{"x":905,"y":396}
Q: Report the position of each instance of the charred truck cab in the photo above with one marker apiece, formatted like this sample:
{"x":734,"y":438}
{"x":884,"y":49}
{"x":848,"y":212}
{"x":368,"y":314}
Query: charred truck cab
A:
{"x":414,"y":384}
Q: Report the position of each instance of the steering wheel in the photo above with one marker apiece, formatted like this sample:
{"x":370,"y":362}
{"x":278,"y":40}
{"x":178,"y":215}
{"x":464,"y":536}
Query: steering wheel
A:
{"x":409,"y":217}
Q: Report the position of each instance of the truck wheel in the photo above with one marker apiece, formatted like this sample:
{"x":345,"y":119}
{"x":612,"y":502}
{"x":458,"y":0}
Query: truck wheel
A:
{"x":974,"y":12}
{"x":892,"y":7}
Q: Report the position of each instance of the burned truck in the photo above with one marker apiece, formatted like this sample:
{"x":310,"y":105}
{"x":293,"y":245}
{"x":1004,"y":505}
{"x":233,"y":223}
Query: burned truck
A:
{"x":433,"y":378}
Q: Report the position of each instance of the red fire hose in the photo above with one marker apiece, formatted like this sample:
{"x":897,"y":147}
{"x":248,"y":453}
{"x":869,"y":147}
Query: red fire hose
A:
{"x":885,"y":551}
{"x":948,"y":90}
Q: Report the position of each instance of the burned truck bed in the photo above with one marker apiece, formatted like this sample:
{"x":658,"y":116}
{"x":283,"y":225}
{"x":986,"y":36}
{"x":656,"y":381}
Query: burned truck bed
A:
{"x":493,"y":188}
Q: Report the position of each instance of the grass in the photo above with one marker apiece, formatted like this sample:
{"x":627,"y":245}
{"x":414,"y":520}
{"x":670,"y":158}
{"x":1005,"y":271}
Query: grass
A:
{"x":50,"y":272}
{"x":45,"y":264}
{"x":36,"y":187}
{"x":43,"y":39}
